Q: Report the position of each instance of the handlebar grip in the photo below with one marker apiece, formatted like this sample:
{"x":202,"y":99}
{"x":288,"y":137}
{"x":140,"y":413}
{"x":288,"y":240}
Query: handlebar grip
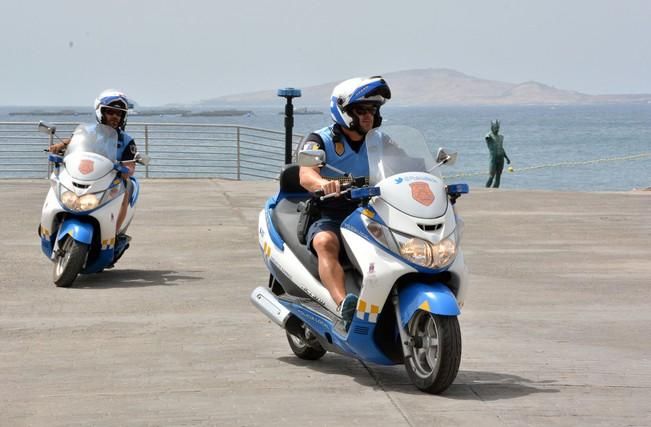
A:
{"x":122,"y":169}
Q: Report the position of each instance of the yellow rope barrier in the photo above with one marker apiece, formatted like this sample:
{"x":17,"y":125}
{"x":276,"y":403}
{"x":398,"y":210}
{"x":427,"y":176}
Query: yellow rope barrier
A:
{"x":559,"y":164}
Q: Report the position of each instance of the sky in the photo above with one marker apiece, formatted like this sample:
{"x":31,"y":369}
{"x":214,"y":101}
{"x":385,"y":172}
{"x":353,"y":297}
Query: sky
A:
{"x":161,"y":52}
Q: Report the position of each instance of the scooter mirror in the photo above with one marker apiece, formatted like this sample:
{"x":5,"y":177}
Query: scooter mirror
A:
{"x":446,"y":158}
{"x":311,"y":158}
{"x":46,"y":128}
{"x":143,"y":159}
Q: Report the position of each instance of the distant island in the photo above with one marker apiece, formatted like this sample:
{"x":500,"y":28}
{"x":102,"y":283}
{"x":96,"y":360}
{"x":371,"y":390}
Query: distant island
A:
{"x":49,"y":113}
{"x":444,"y":87}
{"x":141,"y":113}
{"x":160,"y":112}
{"x":303,"y":111}
{"x":191,"y":113}
{"x":218,"y":113}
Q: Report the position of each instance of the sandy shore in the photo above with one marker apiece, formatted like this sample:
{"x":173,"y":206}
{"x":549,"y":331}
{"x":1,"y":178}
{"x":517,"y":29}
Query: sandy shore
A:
{"x":555,"y":327}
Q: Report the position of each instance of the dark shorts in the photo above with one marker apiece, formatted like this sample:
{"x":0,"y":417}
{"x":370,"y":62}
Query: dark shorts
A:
{"x":323,"y":224}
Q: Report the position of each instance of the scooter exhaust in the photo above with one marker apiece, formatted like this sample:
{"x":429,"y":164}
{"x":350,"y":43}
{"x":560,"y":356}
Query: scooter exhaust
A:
{"x":267,"y":303}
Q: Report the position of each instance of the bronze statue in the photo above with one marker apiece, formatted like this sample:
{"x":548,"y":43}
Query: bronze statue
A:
{"x":495,"y":143}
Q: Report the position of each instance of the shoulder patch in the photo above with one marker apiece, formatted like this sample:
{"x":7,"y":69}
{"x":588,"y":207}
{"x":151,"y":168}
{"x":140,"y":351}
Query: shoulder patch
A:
{"x":310,"y":145}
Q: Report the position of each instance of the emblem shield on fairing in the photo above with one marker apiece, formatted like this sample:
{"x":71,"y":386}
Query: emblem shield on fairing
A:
{"x":421,"y":192}
{"x":86,"y":166}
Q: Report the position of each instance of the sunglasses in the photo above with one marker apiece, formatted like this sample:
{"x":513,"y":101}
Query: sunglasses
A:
{"x":361,"y":110}
{"x":112,"y":112}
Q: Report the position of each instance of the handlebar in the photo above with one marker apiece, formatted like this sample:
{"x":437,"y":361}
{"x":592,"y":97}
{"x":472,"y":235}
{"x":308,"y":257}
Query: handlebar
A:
{"x":352,"y":190}
{"x":122,"y":169}
{"x":332,"y":195}
{"x":344,"y":189}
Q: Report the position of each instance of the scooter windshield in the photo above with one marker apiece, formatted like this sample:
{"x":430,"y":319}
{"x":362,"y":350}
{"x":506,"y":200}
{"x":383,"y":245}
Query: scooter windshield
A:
{"x":94,"y":138}
{"x":405,"y":151}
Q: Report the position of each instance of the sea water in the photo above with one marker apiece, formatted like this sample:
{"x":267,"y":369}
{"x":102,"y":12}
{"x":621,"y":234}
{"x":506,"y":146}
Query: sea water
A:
{"x":577,"y":148}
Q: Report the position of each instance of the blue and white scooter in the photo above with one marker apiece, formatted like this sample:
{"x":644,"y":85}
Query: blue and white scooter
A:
{"x":404,"y":263}
{"x":78,"y":219}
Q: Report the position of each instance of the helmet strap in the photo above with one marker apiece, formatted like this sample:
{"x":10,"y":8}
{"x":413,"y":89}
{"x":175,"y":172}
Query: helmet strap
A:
{"x":357,"y":128}
{"x":377,"y":119}
{"x":336,"y":133}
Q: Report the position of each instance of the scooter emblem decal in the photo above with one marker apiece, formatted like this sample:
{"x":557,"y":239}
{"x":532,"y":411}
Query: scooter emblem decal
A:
{"x":421,"y":192}
{"x":86,"y":166}
{"x":367,"y":312}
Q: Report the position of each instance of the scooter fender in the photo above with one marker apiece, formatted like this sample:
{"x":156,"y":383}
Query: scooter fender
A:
{"x":80,"y":231}
{"x":435,"y":298}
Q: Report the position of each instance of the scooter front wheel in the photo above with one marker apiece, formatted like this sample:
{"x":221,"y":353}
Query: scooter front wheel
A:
{"x":306,"y":346}
{"x":69,"y":263}
{"x":435,"y":344}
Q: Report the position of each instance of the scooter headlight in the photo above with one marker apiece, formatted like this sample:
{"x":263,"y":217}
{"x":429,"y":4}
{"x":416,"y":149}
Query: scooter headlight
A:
{"x":86,"y":202}
{"x":413,"y":249}
{"x":428,"y":254}
{"x":89,"y":202}
{"x":69,"y":199}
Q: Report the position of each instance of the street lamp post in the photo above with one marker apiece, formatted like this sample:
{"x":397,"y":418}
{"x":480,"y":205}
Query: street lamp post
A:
{"x":289,"y":93}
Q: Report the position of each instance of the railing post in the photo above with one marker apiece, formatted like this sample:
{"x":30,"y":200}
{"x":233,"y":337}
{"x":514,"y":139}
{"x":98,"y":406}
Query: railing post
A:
{"x":238,"y":153}
{"x":147,"y":150}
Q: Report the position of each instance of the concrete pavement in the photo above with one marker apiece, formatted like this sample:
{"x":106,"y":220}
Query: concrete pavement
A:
{"x":555,"y":327}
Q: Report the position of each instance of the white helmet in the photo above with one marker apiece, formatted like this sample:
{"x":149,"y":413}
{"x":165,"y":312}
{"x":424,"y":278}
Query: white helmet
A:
{"x":114,"y":99}
{"x":372,"y":90}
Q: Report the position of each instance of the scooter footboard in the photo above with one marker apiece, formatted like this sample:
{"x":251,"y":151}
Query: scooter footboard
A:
{"x":435,"y":298}
{"x":78,"y":230}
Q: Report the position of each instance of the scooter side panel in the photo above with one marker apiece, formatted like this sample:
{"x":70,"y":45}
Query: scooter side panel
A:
{"x":283,"y":258}
{"x":435,"y":298}
{"x":136,"y":191}
{"x":107,"y":217}
{"x":47,"y":245}
{"x":98,"y":264}
{"x":358,"y":342}
{"x":271,"y":230}
{"x":380,"y":272}
{"x":361,"y":341}
{"x":459,"y":272}
{"x":47,"y":233}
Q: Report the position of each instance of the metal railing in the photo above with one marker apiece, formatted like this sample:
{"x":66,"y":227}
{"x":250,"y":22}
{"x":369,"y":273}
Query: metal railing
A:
{"x":177,"y":150}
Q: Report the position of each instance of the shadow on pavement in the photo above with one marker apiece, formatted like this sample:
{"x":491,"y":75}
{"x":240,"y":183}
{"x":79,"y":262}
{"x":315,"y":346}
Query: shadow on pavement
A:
{"x":469,"y":385}
{"x":132,"y":279}
{"x":488,"y":386}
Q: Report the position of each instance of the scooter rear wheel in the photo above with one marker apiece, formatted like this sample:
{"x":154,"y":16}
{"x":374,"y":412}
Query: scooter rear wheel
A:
{"x":305,"y":347}
{"x":435,"y":344}
{"x":68,"y":265}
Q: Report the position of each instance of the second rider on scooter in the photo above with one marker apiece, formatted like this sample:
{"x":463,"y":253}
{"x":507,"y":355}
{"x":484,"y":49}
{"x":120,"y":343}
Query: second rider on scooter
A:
{"x":111,"y":108}
{"x":355,"y":109}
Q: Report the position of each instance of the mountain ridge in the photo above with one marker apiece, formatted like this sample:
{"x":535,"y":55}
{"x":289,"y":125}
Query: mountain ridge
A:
{"x":442,"y":86}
